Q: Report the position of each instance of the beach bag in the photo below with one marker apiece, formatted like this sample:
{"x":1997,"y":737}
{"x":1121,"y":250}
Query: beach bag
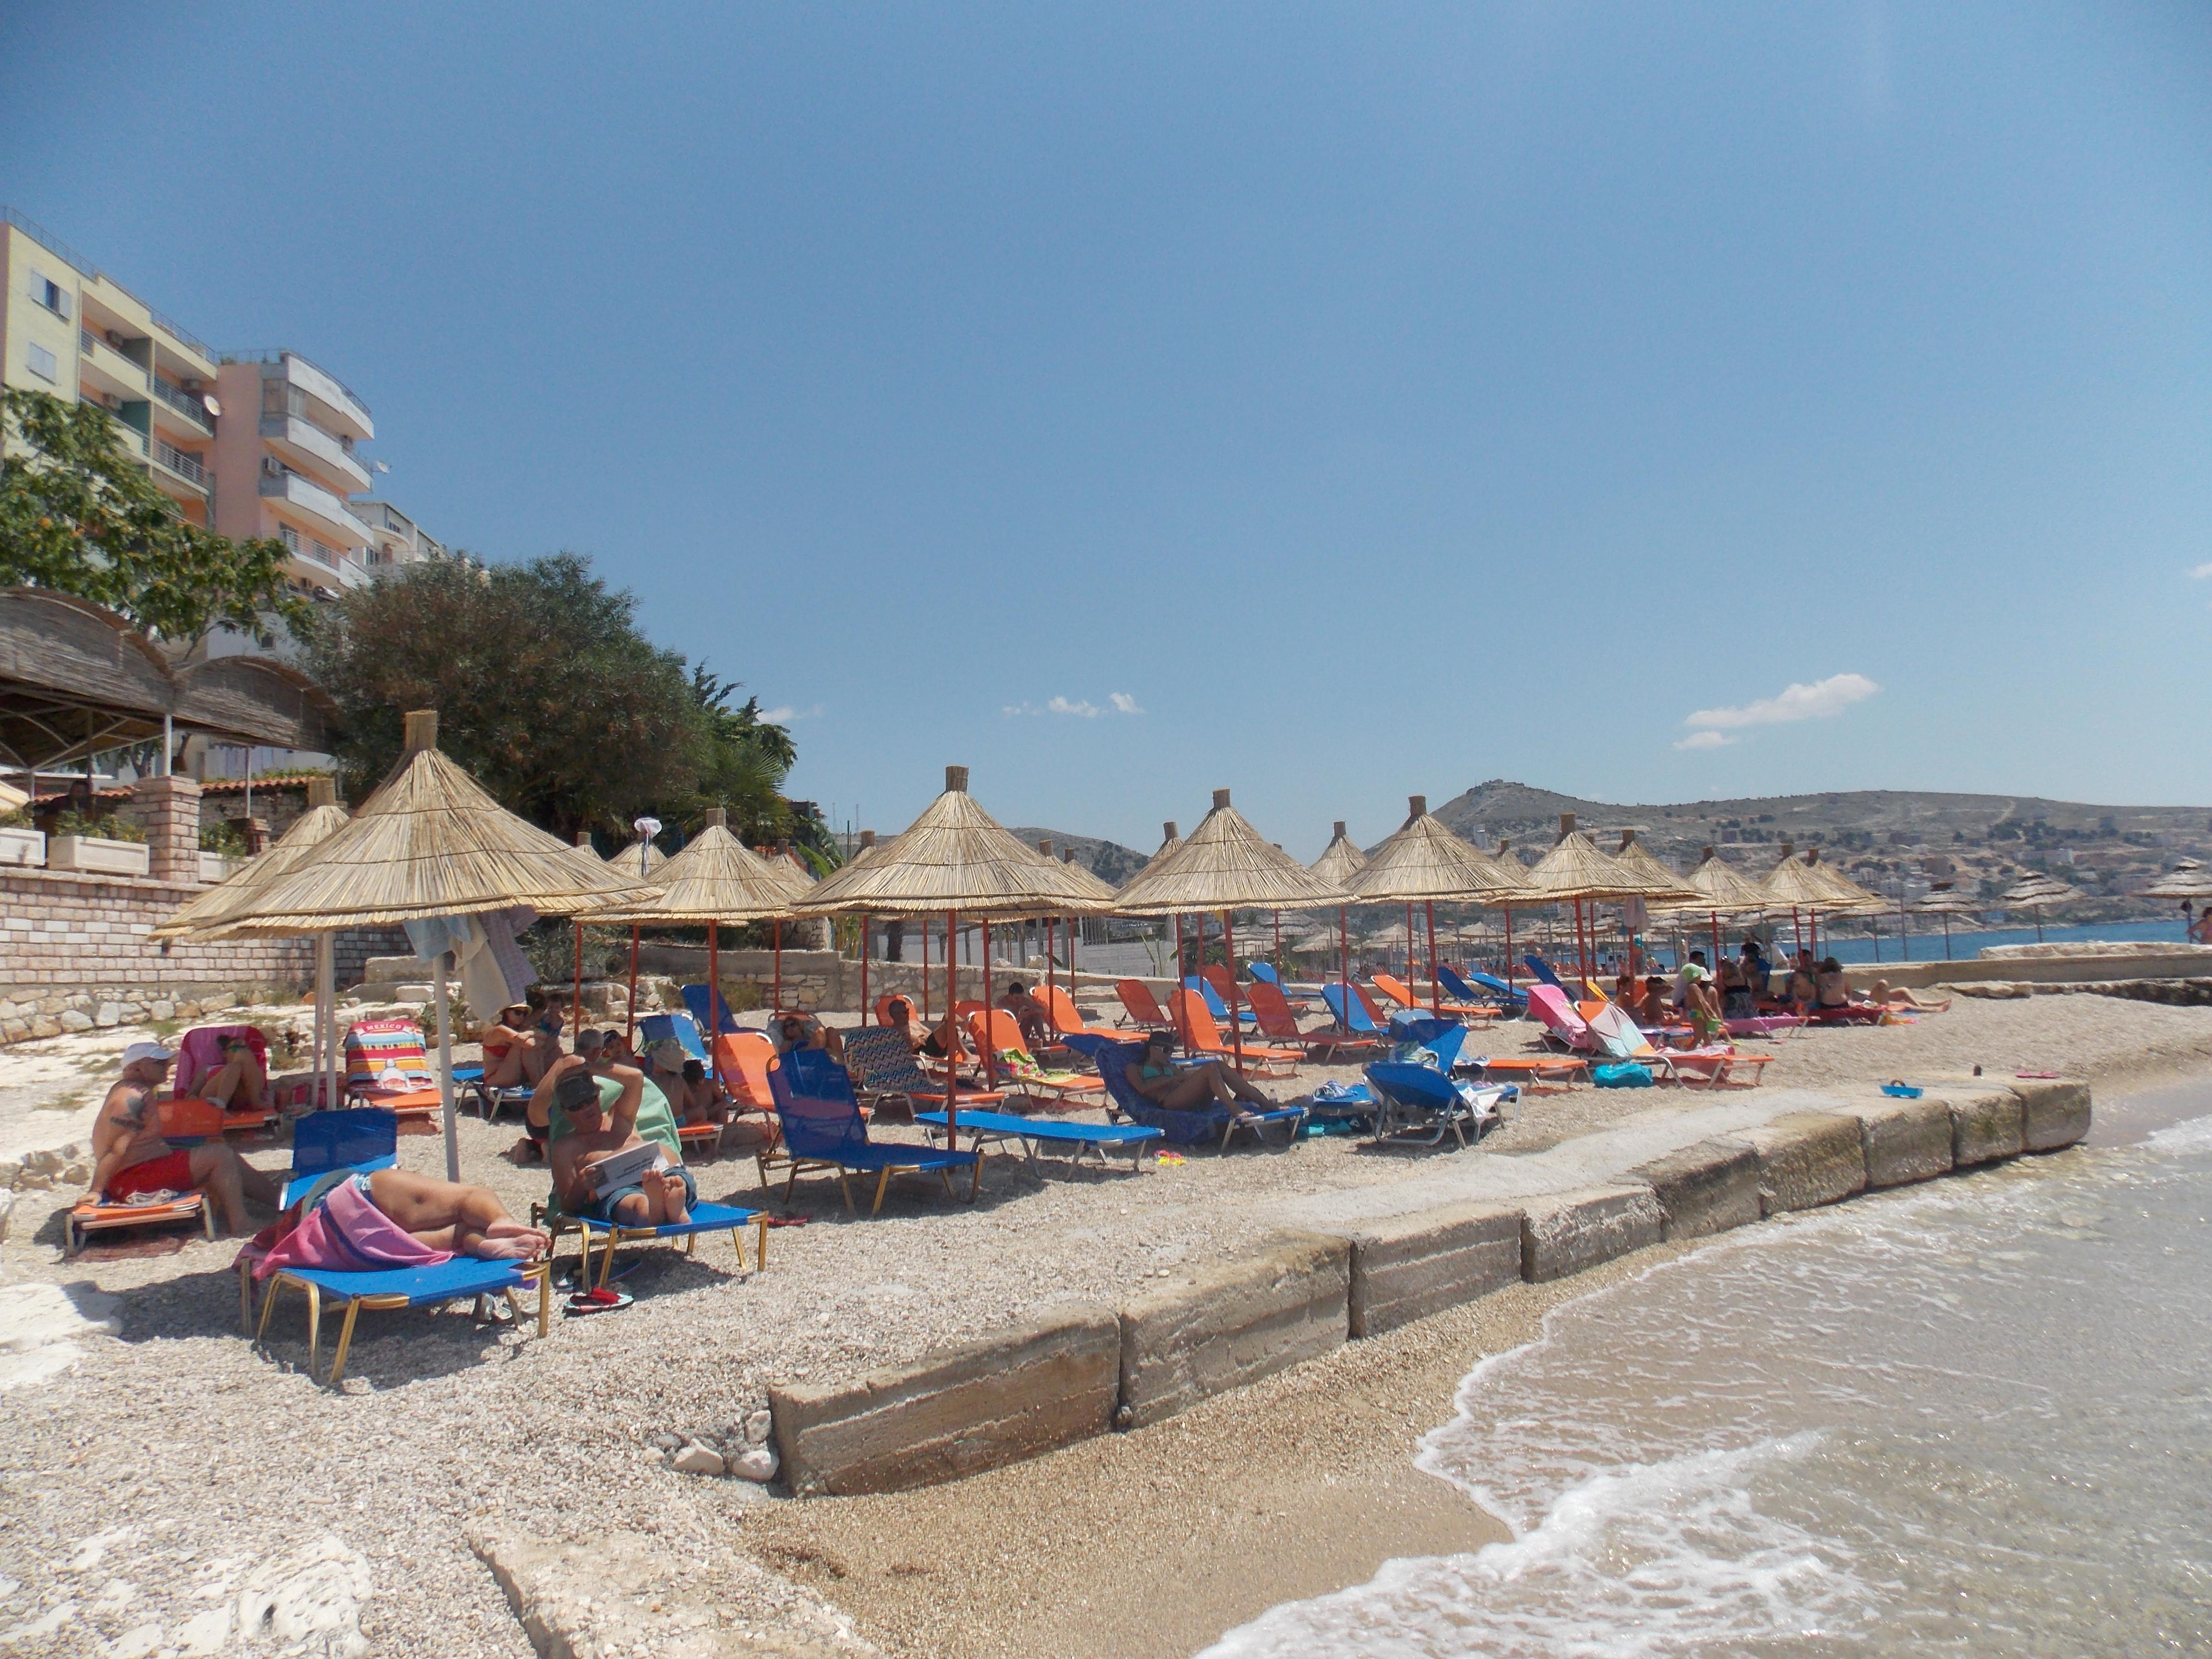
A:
{"x":1627,"y":1075}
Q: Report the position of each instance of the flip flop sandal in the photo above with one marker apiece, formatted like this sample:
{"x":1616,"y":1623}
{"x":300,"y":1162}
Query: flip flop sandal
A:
{"x":789,"y":1220}
{"x":596,"y":1301}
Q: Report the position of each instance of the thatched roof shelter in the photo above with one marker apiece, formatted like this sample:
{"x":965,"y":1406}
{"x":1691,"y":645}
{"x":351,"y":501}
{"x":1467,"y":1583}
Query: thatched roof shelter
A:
{"x":640,"y":860}
{"x":1225,"y":865}
{"x":1722,"y":889}
{"x":2187,"y":880}
{"x":716,"y":878}
{"x":1099,"y":890}
{"x":1575,"y":869}
{"x":1424,"y":861}
{"x":2035,"y":892}
{"x":428,"y":843}
{"x":1796,"y":886}
{"x":208,"y":916}
{"x":1340,"y":861}
{"x":1632,"y":855}
{"x":1847,"y":894}
{"x":955,"y":857}
{"x":1944,"y":900}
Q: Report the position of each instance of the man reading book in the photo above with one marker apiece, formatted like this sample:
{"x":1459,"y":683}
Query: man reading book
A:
{"x":603,"y":1168}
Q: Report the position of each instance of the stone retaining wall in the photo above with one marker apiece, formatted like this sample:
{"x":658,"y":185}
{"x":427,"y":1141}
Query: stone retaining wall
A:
{"x":1022,"y":1392}
{"x":74,"y":954}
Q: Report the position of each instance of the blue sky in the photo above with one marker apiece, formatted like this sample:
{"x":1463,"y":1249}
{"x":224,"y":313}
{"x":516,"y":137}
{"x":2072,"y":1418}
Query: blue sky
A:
{"x":1329,"y":402}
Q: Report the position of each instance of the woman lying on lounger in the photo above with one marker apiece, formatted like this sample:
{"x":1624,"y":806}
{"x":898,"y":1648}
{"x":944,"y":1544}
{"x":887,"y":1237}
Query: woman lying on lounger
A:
{"x":1883,"y":994}
{"x":1184,"y":1088}
{"x":448,"y":1215}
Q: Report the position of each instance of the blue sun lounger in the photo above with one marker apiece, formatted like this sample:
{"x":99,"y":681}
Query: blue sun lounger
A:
{"x":1422,"y":1104}
{"x":658,"y":1028}
{"x":1056,"y":1133}
{"x":694,"y":999}
{"x":705,"y":1219}
{"x":1350,"y":1016}
{"x":822,"y":1129}
{"x":1543,"y":969}
{"x":401,"y":1287}
{"x":1493,"y":987}
{"x":1216,"y":1124}
{"x":1216,"y":1006}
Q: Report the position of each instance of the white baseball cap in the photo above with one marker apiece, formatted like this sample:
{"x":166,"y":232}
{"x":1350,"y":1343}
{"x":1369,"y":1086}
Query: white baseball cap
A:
{"x":150,"y":1051}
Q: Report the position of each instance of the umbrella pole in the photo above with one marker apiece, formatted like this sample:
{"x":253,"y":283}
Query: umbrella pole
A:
{"x":629,"y":1036}
{"x":446,"y":1075}
{"x":775,"y":997}
{"x":990,"y":1048}
{"x":1235,"y":1025}
{"x":923,"y":926}
{"x":1051,"y":959}
{"x":952,"y":1048}
{"x":1178,"y":961}
{"x":1436,"y":984}
{"x":576,"y":1000}
{"x":1279,"y":945}
{"x":864,"y":971}
{"x":326,"y":1022}
{"x":1344,"y":961}
{"x":1509,"y":947}
{"x":714,"y":985}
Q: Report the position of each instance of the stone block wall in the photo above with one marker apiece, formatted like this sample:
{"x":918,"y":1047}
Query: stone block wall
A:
{"x":74,"y":954}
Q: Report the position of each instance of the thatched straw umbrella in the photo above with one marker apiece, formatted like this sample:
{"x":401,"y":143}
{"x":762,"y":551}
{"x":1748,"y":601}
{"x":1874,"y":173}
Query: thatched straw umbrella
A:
{"x":1811,"y":890}
{"x":1944,"y":900}
{"x":2036,"y":893}
{"x":714,"y":880}
{"x":1575,"y":873}
{"x":955,"y":859}
{"x":1721,"y":890}
{"x":1170,"y":839}
{"x":2186,"y":881}
{"x":210,"y":917}
{"x":1340,"y":861}
{"x":1101,"y":895}
{"x":1424,"y":861}
{"x":1225,"y":865}
{"x":429,"y":844}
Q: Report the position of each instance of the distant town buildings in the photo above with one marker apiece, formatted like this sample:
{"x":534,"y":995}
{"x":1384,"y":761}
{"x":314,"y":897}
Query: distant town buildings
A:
{"x":247,"y":443}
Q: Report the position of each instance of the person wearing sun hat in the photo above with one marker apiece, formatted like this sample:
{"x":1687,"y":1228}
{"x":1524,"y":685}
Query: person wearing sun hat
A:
{"x":129,"y":1156}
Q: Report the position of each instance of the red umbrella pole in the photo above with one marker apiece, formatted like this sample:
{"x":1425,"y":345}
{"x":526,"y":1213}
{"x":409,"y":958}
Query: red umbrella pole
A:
{"x":714,"y":985}
{"x":1235,"y":1025}
{"x":990,"y":1048}
{"x":923,"y":926}
{"x":951,"y":1042}
{"x":1344,"y":961}
{"x":576,"y":1003}
{"x":775,"y":997}
{"x":1436,"y":983}
{"x":864,"y":971}
{"x":1183,"y":984}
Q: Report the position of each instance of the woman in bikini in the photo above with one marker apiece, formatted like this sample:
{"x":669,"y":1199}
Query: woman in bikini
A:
{"x":1181,"y":1088}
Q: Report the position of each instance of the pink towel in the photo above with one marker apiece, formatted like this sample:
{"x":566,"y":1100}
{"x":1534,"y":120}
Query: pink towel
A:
{"x":346,"y":1233}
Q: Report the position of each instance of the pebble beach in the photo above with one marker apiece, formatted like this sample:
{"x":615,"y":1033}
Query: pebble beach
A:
{"x":170,"y":1478}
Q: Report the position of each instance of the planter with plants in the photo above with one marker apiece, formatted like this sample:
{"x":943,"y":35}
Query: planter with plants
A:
{"x":20,"y":844}
{"x":223,"y":851}
{"x":108,"y":846}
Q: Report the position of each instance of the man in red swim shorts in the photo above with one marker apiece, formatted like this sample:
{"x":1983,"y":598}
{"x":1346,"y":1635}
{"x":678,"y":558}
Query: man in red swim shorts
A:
{"x":129,"y":1156}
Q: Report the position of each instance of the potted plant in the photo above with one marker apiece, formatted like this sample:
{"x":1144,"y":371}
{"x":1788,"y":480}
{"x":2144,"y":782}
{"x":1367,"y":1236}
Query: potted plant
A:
{"x":107,"y":845}
{"x":223,"y":851}
{"x":20,"y":844}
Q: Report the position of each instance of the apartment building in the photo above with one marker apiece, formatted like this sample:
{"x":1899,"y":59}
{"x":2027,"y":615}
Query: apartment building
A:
{"x":290,"y":430}
{"x":69,"y":331}
{"x":393,"y":538}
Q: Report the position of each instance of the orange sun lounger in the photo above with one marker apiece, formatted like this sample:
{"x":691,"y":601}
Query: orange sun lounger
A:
{"x":1193,"y":1023}
{"x":1396,"y":988}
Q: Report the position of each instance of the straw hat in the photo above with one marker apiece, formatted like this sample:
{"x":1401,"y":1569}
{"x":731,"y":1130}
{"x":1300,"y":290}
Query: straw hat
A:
{"x":955,"y":856}
{"x":1722,"y":889}
{"x":208,"y":916}
{"x":1340,"y":861}
{"x":1424,"y":861}
{"x":715,"y":878}
{"x":1575,"y":869}
{"x":1225,"y":865}
{"x":428,"y":843}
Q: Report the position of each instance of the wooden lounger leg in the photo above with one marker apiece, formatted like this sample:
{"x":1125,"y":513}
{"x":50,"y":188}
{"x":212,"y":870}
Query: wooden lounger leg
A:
{"x":268,"y":1307}
{"x":760,"y":1243}
{"x":882,"y":1184}
{"x":345,"y":1342}
{"x":245,"y":1296}
{"x":314,"y":1326}
{"x":845,"y":1185}
{"x":543,"y":1278}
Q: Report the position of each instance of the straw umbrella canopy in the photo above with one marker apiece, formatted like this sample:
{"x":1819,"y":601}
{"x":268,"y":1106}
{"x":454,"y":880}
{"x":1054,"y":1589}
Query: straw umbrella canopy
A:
{"x":1170,"y":838}
{"x":640,"y":858}
{"x":1425,"y":862}
{"x":1340,"y":861}
{"x":210,"y":915}
{"x":1226,"y":865}
{"x":1722,"y":889}
{"x":2187,"y":880}
{"x":1944,"y":900}
{"x":955,"y":859}
{"x":429,"y":844}
{"x":2037,"y":893}
{"x":1849,"y":895}
{"x":1575,"y":873}
{"x":715,"y":881}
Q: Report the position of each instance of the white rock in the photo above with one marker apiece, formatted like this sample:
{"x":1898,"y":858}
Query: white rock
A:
{"x":108,"y":1014}
{"x":164,"y":1011}
{"x":7,"y":1207}
{"x":756,"y":1463}
{"x":206,"y":1632}
{"x":758,"y":1426}
{"x":311,"y":1598}
{"x":74,"y":1021}
{"x":137,"y":1643}
{"x":44,"y":1626}
{"x":695,"y":1459}
{"x":35,"y":1315}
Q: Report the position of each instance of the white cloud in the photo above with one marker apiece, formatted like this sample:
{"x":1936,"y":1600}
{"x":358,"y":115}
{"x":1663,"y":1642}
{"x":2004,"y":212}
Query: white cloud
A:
{"x":1797,"y":702}
{"x":1704,"y":740}
{"x":1120,"y":703}
{"x":1124,"y":703}
{"x":1090,"y":711}
{"x":787,"y":713}
{"x":2201,"y":571}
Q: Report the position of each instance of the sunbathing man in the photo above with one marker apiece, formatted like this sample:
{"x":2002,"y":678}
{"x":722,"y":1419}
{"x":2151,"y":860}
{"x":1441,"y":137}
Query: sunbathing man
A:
{"x":129,"y":1156}
{"x":1185,"y":1088}
{"x":793,"y":1030}
{"x":1035,"y":1033}
{"x":238,"y":1084}
{"x":657,"y":1197}
{"x":526,"y":1040}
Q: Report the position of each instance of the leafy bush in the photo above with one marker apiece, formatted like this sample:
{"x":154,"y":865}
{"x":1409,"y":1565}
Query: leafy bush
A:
{"x":106,"y":827}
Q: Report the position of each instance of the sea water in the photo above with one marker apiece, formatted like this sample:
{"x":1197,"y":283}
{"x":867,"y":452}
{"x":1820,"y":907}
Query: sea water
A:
{"x":1973,"y":1417}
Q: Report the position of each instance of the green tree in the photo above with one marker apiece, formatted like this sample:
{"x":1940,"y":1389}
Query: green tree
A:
{"x":744,"y":761}
{"x":78,"y":516}
{"x":545,"y":688}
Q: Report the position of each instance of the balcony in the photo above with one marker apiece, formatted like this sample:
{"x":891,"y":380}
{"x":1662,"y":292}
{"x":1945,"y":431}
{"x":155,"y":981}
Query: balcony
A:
{"x":187,"y":467}
{"x":179,"y":401}
{"x":345,"y":412}
{"x":103,"y":368}
{"x":304,"y":444}
{"x":325,"y":517}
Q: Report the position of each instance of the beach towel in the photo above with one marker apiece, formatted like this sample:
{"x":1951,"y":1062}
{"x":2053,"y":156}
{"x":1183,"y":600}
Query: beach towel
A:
{"x":346,"y":1233}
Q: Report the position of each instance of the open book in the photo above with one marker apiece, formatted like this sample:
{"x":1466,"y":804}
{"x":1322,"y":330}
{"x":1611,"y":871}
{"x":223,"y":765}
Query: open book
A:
{"x":623,"y":1169}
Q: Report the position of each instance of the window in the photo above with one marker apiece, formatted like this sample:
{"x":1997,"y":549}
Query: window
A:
{"x":41,"y":362}
{"x":289,"y":536}
{"x":49,"y":293}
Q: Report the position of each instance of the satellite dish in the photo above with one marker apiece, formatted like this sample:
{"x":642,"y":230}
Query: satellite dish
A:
{"x":214,"y":407}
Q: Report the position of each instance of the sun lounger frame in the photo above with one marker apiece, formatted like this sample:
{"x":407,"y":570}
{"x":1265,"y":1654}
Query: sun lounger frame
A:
{"x":356,"y":1295}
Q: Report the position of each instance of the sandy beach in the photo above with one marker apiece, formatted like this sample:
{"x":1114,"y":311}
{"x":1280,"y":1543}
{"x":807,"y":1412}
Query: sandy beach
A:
{"x":1150,"y":1542}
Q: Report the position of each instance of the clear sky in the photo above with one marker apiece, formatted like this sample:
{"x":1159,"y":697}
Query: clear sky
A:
{"x":1651,"y":402}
